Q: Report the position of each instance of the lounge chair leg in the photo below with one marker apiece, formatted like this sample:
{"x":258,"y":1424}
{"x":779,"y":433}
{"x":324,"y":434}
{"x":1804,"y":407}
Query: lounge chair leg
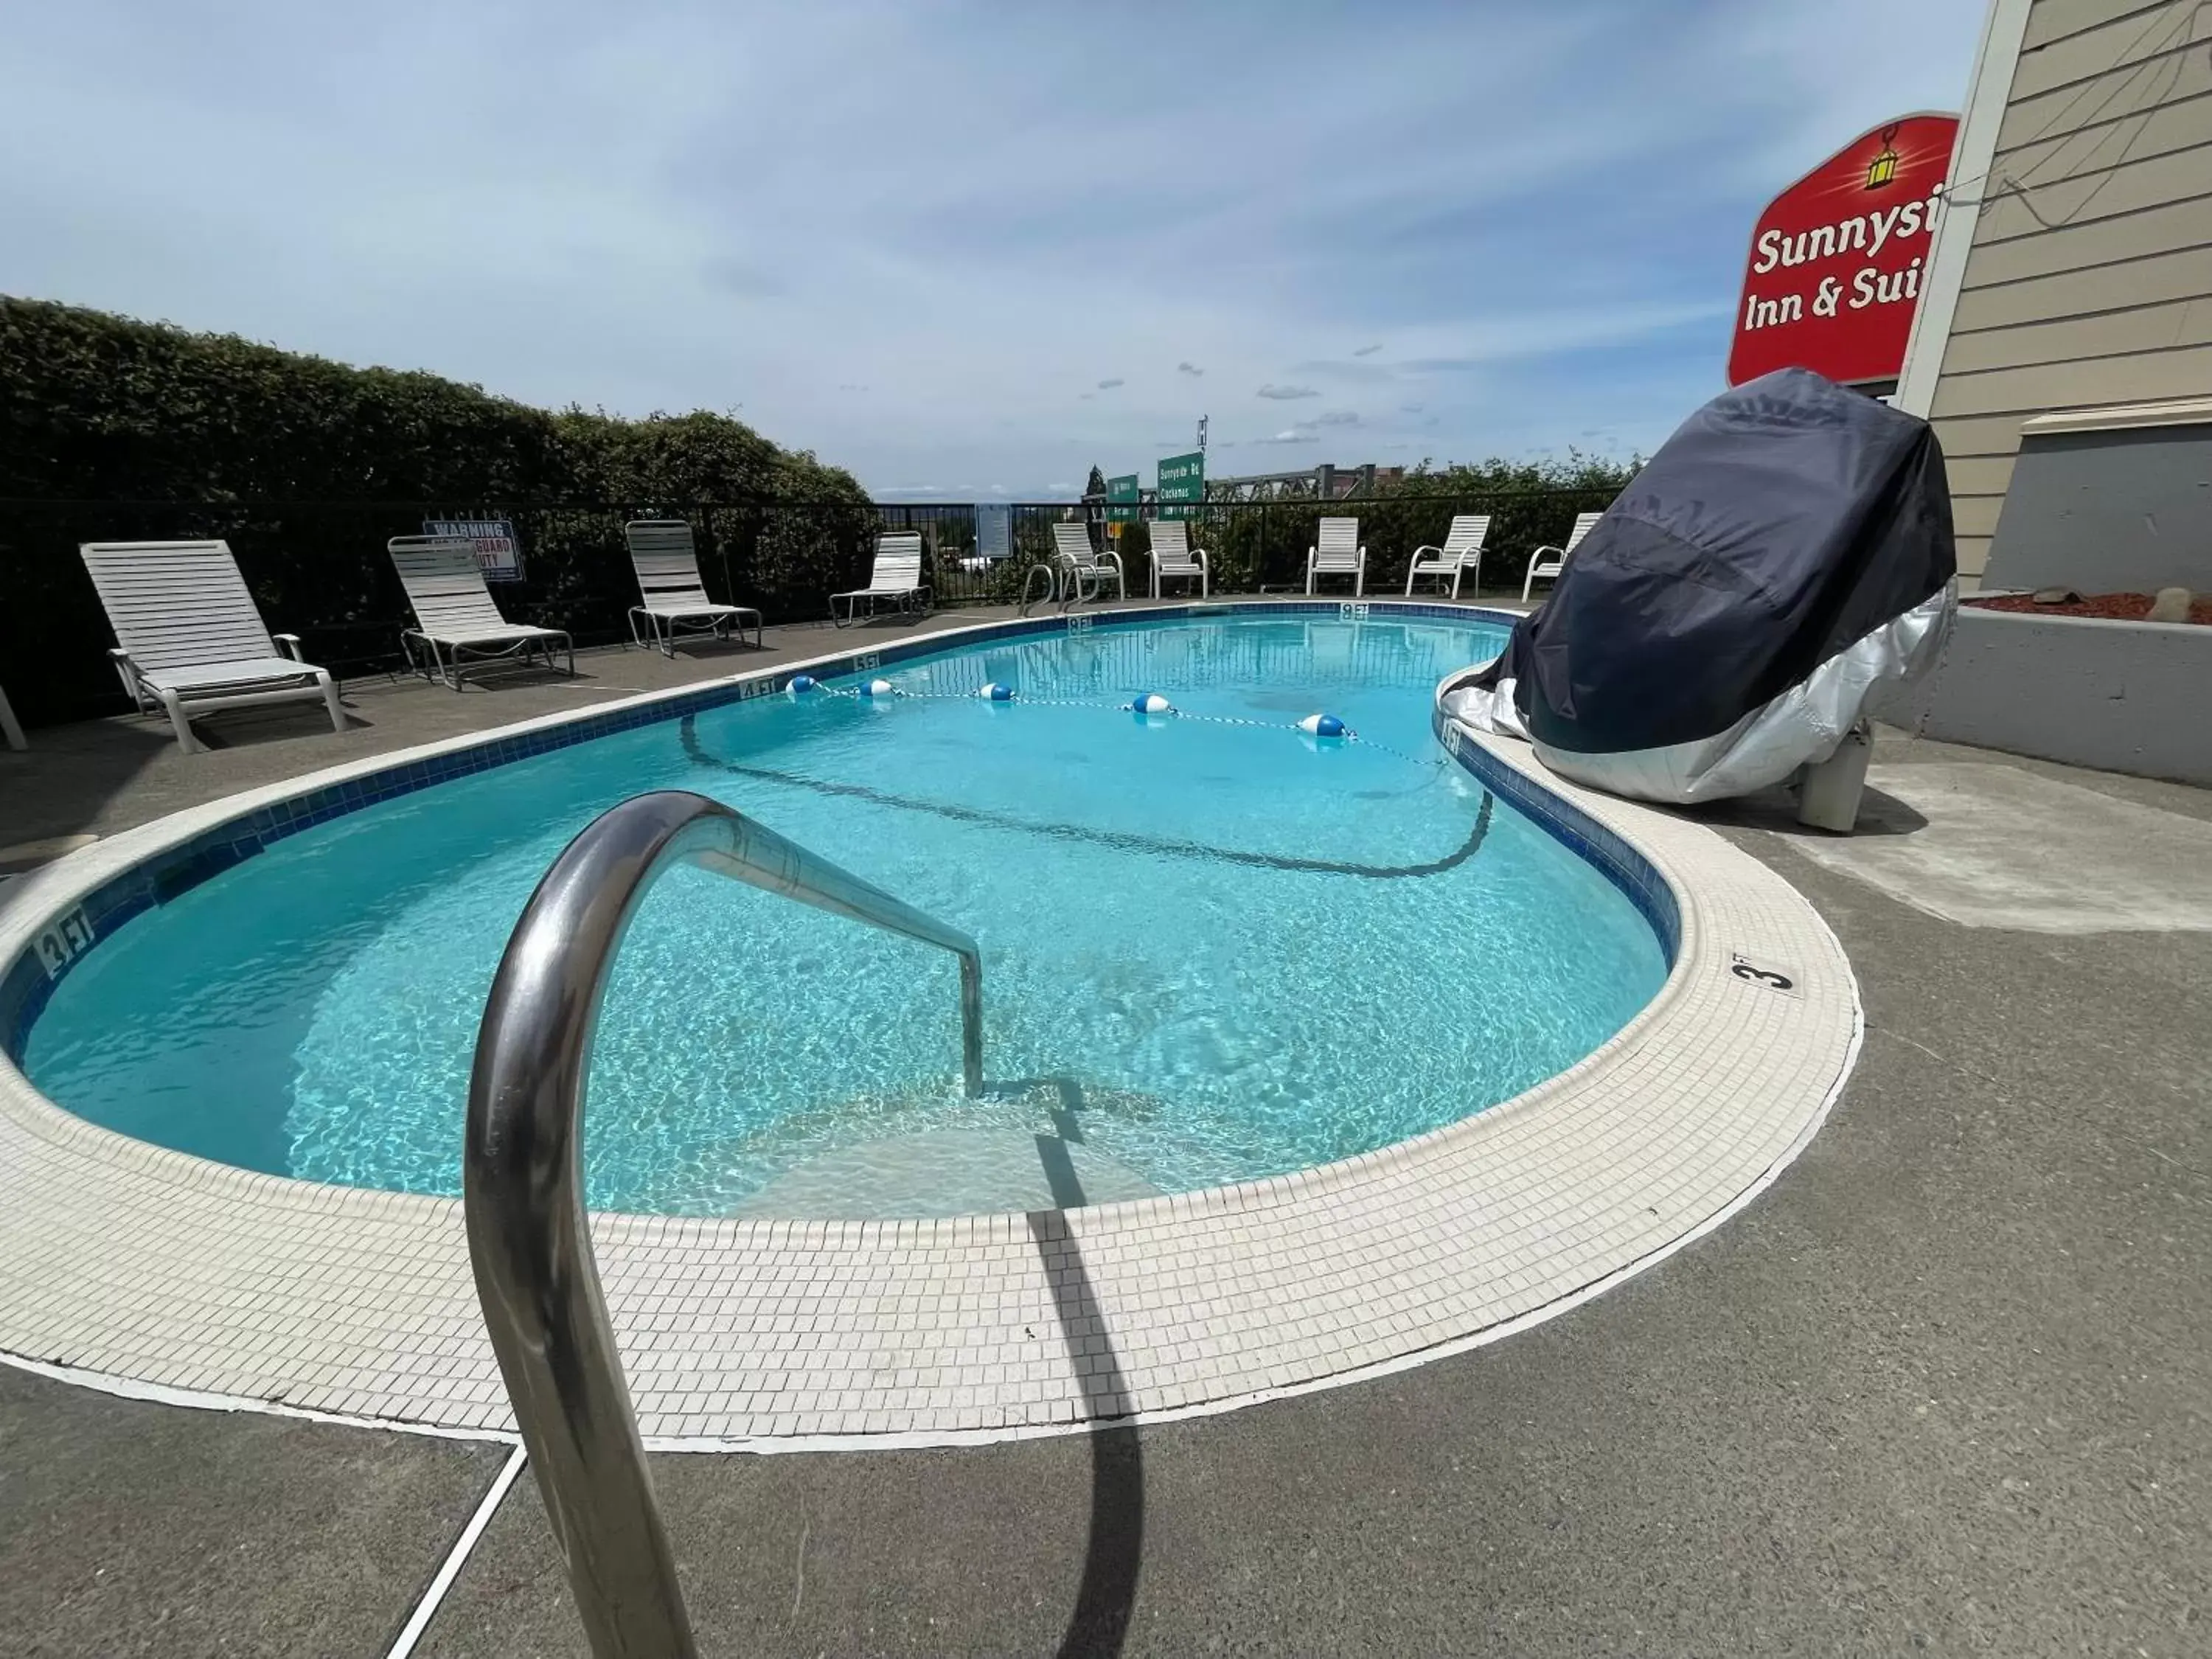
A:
{"x":185,"y":741}
{"x":330,"y":700}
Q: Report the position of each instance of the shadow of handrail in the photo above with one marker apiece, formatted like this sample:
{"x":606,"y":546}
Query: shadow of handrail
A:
{"x":1114,"y":1552}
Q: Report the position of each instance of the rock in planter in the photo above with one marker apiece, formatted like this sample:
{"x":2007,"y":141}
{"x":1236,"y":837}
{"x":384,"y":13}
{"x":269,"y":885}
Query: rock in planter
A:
{"x":2172,"y":605}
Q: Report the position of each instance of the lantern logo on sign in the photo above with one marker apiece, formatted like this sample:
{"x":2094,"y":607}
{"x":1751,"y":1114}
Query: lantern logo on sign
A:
{"x":1883,"y":170}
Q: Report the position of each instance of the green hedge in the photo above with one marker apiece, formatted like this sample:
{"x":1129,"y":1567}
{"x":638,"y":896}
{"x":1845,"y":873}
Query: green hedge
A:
{"x":115,"y":430}
{"x":105,"y":407}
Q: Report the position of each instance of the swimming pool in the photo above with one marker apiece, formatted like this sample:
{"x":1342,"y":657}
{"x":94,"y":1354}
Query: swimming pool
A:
{"x":1214,"y":947}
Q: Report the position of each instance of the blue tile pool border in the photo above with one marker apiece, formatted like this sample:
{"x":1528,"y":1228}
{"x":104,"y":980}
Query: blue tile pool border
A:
{"x":1582,"y":835}
{"x":29,"y":981}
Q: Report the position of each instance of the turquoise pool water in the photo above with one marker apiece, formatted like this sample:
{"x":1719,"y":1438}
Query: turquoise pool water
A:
{"x":1214,"y":948}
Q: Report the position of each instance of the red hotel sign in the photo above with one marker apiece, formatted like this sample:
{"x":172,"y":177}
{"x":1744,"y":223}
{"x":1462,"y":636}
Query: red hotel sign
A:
{"x":1836,"y":262}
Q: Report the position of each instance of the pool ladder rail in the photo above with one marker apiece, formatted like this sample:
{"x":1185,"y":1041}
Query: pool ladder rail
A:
{"x":529,"y":1241}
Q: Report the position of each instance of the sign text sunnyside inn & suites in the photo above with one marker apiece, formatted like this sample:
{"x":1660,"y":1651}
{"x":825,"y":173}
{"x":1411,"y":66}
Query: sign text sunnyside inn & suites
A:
{"x":1836,"y":261}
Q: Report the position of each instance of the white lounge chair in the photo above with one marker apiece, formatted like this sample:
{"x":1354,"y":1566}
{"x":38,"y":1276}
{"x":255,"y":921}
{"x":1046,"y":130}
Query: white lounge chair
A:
{"x":454,"y":616}
{"x":189,"y":638}
{"x":896,"y":575}
{"x":1461,"y":552}
{"x":1549,"y":569}
{"x":667,"y":566}
{"x":1081,"y":566}
{"x":1172,"y":556}
{"x":1338,"y":553}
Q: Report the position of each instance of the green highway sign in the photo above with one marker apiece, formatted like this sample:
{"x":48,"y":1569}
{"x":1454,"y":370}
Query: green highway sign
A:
{"x":1182,"y":485}
{"x":1122,"y":496}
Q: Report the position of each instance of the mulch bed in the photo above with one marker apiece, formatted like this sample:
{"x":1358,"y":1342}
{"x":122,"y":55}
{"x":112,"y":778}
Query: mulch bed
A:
{"x":2111,"y":607}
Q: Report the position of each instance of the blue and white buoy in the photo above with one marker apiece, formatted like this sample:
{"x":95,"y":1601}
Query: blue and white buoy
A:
{"x":878,"y":689}
{"x":992,"y":692}
{"x":801,"y":684}
{"x":1323,"y":725}
{"x":1151,"y":703}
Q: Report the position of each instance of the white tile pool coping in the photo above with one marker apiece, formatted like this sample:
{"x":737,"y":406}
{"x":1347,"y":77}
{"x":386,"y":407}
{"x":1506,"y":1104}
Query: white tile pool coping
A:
{"x":132,"y":1266}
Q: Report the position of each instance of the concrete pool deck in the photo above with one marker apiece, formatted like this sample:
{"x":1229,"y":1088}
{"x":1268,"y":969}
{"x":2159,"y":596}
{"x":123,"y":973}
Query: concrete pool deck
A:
{"x":1941,"y":1388}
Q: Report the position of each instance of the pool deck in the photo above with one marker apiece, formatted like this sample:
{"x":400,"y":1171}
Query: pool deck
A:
{"x":1942,"y":1387}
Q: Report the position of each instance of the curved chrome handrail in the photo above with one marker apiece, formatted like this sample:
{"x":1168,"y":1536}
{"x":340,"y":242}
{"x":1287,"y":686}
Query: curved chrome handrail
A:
{"x":522,"y":1184}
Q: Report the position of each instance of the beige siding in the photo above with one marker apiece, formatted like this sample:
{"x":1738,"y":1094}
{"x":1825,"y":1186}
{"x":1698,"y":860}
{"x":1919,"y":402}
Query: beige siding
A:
{"x":2057,"y":20}
{"x":2081,"y":200}
{"x":2107,"y":334}
{"x":2082,"y":383}
{"x":1976,"y":515}
{"x":2184,"y":275}
{"x":1998,"y":436}
{"x":2089,"y":280}
{"x":2093,"y":247}
{"x":2132,"y":42}
{"x":2182,"y":123}
{"x":1977,"y":475}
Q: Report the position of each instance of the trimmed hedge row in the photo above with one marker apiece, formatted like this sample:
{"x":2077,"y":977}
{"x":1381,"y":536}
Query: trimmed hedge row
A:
{"x":113,"y":430}
{"x":105,"y":407}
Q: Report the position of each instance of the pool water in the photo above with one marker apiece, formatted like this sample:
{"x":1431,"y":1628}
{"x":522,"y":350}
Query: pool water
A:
{"x":1214,"y":948}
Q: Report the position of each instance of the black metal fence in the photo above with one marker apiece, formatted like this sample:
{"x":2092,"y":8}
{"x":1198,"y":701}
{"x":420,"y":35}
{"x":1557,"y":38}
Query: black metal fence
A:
{"x":320,"y":570}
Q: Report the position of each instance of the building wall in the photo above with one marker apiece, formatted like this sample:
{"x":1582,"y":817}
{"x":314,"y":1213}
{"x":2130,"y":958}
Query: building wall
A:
{"x":2088,"y":275}
{"x":2122,"y":510}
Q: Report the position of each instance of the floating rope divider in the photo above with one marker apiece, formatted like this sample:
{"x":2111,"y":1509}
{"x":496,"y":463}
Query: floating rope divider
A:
{"x":1324,"y":727}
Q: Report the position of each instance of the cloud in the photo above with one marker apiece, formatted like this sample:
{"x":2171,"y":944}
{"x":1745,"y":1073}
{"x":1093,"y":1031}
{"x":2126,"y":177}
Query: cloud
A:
{"x":1283,"y":393}
{"x":1337,"y":417}
{"x":1368,"y":350}
{"x":743,"y":277}
{"x":1108,"y":386}
{"x":1189,"y":368}
{"x":1527,"y":277}
{"x":1409,"y":409}
{"x":1289,"y":435}
{"x":851,"y":386}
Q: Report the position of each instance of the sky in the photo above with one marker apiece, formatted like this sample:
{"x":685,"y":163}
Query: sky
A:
{"x":966,"y":251}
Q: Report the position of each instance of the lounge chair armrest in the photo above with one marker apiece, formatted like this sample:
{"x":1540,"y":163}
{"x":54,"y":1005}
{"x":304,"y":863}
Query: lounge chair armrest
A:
{"x":128,"y":672}
{"x":289,"y":645}
{"x":1110,"y":554}
{"x":1198,"y":557}
{"x":1427,"y":547}
{"x":1548,"y":547}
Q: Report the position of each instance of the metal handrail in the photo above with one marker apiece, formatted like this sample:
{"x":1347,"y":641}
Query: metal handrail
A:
{"x":522,"y":1183}
{"x":1051,"y":586}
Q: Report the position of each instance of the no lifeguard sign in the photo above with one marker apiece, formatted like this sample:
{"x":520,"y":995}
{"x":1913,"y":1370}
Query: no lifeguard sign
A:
{"x":1837,"y":260}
